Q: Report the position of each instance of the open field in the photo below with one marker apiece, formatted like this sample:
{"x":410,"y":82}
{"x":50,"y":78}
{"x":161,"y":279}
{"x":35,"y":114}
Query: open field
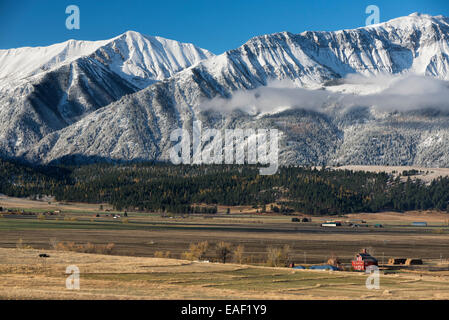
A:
{"x":426,"y":174}
{"x":23,"y":275}
{"x":76,"y":207}
{"x":133,"y":272}
{"x":431,"y":217}
{"x":47,"y":205}
{"x":143,"y":235}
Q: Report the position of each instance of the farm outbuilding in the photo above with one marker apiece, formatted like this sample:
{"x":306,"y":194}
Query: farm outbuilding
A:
{"x":378,"y":225}
{"x":413,"y":262}
{"x":331,"y":224}
{"x":397,"y":260}
{"x":324,"y":267}
{"x":299,"y":267}
{"x":363,"y":260}
{"x":301,"y":219}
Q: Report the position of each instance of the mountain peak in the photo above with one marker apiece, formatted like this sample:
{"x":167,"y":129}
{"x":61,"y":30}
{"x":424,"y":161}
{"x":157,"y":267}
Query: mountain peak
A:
{"x":425,"y":16}
{"x":133,"y":33}
{"x":27,"y":61}
{"x":143,"y":59}
{"x":418,"y":14}
{"x":417,"y":19}
{"x":147,"y":57}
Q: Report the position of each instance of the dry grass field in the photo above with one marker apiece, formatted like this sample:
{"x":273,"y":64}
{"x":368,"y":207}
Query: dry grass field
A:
{"x":132,"y":271}
{"x":23,"y":275}
{"x":47,"y":204}
{"x":426,"y":174}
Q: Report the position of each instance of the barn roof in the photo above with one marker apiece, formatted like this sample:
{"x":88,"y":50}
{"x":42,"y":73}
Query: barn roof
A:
{"x":367,"y":257}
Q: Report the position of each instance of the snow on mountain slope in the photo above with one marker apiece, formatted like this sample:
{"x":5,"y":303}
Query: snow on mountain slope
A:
{"x":47,"y":89}
{"x":137,"y":126}
{"x":132,"y":55}
{"x":143,"y":59}
{"x":27,"y":61}
{"x":417,"y":44}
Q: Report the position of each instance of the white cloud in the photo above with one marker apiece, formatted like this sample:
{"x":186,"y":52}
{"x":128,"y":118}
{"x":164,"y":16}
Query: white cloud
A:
{"x":392,"y":93}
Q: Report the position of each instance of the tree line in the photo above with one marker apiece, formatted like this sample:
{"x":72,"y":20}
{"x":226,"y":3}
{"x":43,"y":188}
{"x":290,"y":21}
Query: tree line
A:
{"x":182,"y":189}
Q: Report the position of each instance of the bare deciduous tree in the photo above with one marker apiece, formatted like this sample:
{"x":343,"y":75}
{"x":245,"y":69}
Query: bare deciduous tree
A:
{"x":224,"y":250}
{"x":196,"y":251}
{"x":238,"y":254}
{"x":278,"y":257}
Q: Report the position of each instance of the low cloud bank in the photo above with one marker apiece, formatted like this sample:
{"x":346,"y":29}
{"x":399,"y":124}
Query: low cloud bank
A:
{"x":392,"y":93}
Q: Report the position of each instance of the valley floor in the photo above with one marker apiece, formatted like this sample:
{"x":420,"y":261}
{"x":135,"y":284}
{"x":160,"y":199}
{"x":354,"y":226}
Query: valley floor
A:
{"x":132,"y":271}
{"x":23,"y":275}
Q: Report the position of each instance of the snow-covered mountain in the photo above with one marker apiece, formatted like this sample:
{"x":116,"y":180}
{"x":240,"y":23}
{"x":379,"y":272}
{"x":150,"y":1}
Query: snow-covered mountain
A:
{"x":48,"y":88}
{"x":139,"y":58}
{"x":137,"y":125}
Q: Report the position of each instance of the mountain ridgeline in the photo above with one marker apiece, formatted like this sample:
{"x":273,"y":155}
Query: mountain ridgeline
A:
{"x":119,"y":99}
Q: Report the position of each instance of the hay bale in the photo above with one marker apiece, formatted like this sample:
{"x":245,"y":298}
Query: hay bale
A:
{"x":397,"y":261}
{"x":413,"y":262}
{"x":334,"y":261}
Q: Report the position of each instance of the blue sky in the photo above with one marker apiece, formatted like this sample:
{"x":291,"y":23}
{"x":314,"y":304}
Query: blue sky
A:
{"x":214,"y":25}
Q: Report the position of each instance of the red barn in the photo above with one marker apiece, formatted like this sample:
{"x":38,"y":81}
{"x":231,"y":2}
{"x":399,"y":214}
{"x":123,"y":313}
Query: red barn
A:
{"x":363,"y":260}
